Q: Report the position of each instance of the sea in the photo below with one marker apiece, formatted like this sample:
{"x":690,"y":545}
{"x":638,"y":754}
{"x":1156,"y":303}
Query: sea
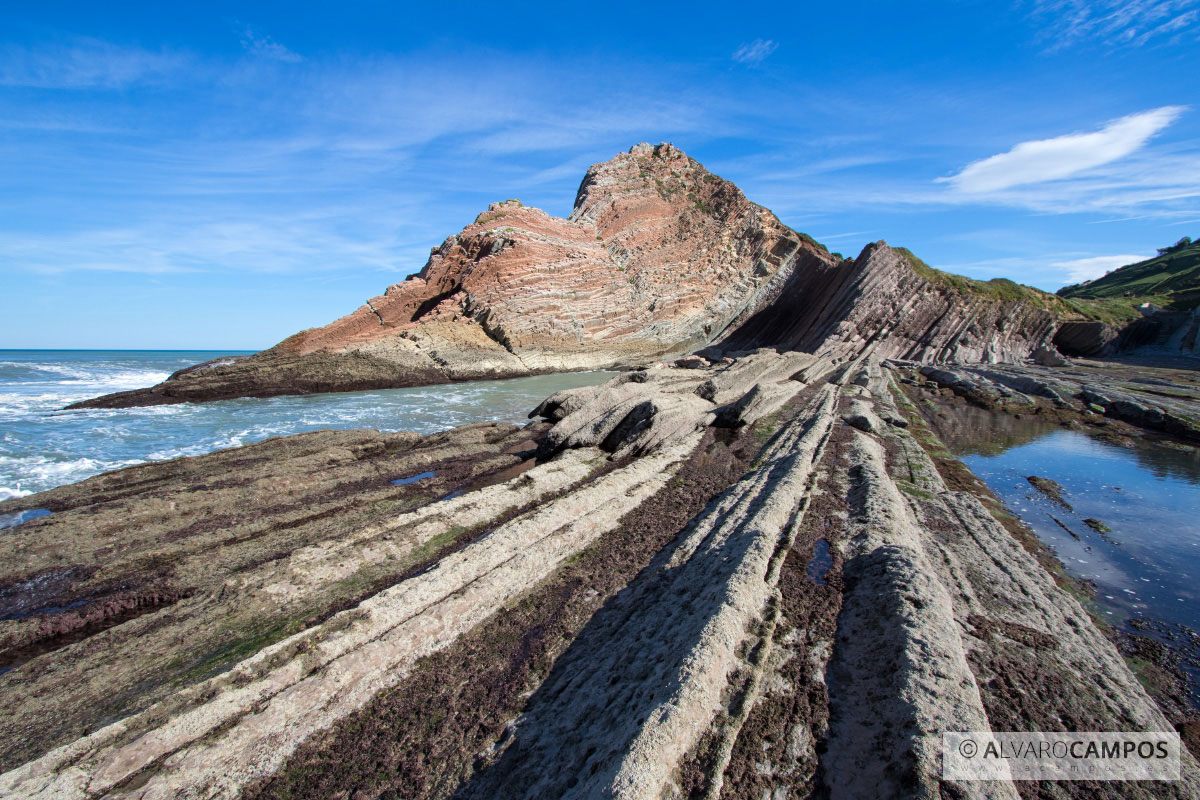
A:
{"x":43,"y":446}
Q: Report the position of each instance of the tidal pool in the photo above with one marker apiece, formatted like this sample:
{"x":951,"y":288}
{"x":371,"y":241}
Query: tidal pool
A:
{"x":1146,"y":567}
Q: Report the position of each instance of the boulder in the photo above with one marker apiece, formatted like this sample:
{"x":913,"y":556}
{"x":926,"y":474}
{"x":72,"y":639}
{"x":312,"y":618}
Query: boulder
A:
{"x":1048,"y":357}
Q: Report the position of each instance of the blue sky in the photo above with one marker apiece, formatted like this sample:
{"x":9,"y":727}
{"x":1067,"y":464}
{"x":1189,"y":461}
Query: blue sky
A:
{"x":222,"y":175}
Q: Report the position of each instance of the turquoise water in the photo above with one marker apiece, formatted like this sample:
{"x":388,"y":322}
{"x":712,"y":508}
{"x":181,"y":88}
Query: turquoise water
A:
{"x":42,"y":446}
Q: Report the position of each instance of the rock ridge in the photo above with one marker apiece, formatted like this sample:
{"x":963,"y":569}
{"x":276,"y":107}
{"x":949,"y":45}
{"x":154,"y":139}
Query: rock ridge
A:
{"x":331,"y":631}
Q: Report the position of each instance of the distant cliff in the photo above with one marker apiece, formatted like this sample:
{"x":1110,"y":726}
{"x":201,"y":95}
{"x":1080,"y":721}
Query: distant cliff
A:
{"x":658,"y":258}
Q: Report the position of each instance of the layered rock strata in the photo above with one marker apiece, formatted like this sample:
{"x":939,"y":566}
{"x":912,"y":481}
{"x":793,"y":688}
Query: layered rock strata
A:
{"x":738,"y":580}
{"x":878,"y":301}
{"x":658,"y":257}
{"x":1160,"y":332}
{"x":1092,"y":392}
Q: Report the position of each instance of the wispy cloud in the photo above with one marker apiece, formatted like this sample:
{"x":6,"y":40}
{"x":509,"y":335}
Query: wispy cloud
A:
{"x":754,"y":52}
{"x":1086,"y":269}
{"x":262,"y":46}
{"x":1063,"y":156}
{"x":1114,"y":23}
{"x":85,"y":64}
{"x":387,"y":135}
{"x":852,"y":235}
{"x":1146,"y":185}
{"x":826,"y":166}
{"x":271,"y":245}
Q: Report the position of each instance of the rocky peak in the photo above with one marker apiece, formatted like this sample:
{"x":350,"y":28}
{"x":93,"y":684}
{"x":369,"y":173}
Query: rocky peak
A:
{"x":652,"y":181}
{"x":659,"y":257}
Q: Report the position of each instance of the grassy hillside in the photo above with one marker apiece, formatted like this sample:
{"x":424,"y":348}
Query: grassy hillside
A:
{"x":1001,"y":289}
{"x":1172,"y":279}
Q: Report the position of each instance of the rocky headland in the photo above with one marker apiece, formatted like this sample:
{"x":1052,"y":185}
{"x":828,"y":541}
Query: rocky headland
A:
{"x":658,"y":258}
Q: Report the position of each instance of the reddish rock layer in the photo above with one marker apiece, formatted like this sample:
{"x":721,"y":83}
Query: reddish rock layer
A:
{"x":659,"y":257}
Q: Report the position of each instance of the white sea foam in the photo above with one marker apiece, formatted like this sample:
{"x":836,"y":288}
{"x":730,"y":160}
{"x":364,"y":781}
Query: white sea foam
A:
{"x":41,"y":472}
{"x":12,"y":404}
{"x":8,"y":494}
{"x":42,"y":446}
{"x":41,"y":395}
{"x":106,"y":374}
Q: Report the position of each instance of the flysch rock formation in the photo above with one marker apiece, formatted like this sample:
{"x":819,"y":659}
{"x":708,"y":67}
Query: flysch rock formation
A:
{"x":751,"y":578}
{"x":1159,"y":333}
{"x":1123,"y":393}
{"x":878,"y":300}
{"x":656,"y":258}
{"x":659,"y":257}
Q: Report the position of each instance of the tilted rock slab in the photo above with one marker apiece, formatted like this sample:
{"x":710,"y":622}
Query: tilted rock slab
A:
{"x":247,"y":722}
{"x":625,"y":713}
{"x":937,"y":618}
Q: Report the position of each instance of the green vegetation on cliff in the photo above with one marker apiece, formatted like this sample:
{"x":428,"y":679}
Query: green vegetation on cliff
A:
{"x":1170,"y":280}
{"x":999,"y":289}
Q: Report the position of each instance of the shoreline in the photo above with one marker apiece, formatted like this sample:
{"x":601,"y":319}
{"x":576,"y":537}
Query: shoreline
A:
{"x":782,"y":432}
{"x":45,"y":447}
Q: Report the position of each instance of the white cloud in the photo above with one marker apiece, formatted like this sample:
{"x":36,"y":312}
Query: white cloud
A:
{"x":852,"y":235}
{"x":1114,"y":23}
{"x":262,"y":46}
{"x":1086,"y":269}
{"x":84,"y":64}
{"x":755,"y":52}
{"x":1063,"y":156}
{"x":824,"y":166}
{"x":415,"y":149}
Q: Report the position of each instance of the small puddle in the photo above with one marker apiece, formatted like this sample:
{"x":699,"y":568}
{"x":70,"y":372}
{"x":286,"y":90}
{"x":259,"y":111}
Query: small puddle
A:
{"x":413,"y":479}
{"x":16,"y":657}
{"x":459,"y":492}
{"x":820,"y":563}
{"x":18,"y":517}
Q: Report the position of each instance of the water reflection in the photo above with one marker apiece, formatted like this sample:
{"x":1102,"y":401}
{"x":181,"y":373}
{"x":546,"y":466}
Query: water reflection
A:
{"x":968,"y":430}
{"x":1148,"y":494}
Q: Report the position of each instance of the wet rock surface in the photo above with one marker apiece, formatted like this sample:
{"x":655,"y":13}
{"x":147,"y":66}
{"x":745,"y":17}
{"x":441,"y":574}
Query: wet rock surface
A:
{"x":1150,"y":394}
{"x":612,"y":601}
